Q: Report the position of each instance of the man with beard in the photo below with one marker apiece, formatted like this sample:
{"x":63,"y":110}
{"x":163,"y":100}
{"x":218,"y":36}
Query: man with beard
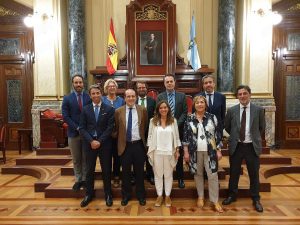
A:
{"x":149,"y":103}
{"x":71,"y":109}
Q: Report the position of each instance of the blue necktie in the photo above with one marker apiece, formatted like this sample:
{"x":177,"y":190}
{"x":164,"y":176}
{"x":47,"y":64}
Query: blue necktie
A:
{"x":171,"y":103}
{"x":209,"y":103}
{"x":96,"y":112}
{"x":129,"y":126}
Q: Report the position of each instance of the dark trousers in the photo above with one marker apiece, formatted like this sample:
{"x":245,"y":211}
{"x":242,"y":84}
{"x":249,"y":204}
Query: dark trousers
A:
{"x":179,"y":165}
{"x":104,"y":154}
{"x":116,"y":158}
{"x":134,"y":154}
{"x":246,"y":152}
{"x":149,"y":170}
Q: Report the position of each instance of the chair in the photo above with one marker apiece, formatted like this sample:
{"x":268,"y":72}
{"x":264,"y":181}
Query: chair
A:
{"x":152,"y":93}
{"x":53,"y":130}
{"x":189,"y":102}
{"x":3,"y":142}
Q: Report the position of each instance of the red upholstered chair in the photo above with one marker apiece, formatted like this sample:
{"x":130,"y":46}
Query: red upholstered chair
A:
{"x":189,"y":102}
{"x":3,"y":142}
{"x":152,"y":93}
{"x":53,"y":130}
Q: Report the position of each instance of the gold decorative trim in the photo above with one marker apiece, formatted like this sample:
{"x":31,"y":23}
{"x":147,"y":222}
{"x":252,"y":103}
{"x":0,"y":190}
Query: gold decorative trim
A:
{"x":7,"y":12}
{"x":151,"y":12}
{"x":295,"y":7}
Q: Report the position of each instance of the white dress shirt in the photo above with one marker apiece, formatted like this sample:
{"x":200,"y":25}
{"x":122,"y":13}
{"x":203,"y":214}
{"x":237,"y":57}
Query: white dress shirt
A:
{"x":211,"y":97}
{"x":140,"y":101}
{"x":135,"y":123}
{"x":248,"y":138}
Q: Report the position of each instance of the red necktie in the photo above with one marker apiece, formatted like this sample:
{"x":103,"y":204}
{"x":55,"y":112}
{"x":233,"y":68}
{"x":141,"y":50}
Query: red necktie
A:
{"x":79,"y":101}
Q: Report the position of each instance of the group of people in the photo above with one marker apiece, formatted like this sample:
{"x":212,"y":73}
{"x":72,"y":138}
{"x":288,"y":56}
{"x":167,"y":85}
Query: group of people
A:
{"x":138,"y":129}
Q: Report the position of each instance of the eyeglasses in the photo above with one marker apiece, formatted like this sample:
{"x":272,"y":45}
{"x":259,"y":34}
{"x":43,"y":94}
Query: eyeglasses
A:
{"x":111,"y":86}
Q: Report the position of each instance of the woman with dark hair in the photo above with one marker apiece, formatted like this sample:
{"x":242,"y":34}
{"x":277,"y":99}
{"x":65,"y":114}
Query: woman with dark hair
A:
{"x":202,"y":149}
{"x":163,"y":152}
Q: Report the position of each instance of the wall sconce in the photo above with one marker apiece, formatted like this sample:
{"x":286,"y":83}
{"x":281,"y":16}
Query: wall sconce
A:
{"x":273,"y":16}
{"x":32,"y":20}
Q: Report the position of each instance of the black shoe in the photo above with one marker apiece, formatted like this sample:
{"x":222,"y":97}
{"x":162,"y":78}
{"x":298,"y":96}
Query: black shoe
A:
{"x":76,"y":186}
{"x":83,"y":184}
{"x":87,"y":199}
{"x":132,"y":181}
{"x":109,"y":200}
{"x":142,"y":201}
{"x":258,"y":207}
{"x":181,"y":183}
{"x":151,"y":180}
{"x":228,"y":201}
{"x":124,"y":201}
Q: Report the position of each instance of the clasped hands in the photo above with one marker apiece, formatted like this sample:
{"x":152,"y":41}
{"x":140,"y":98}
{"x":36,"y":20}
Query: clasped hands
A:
{"x":95,"y":144}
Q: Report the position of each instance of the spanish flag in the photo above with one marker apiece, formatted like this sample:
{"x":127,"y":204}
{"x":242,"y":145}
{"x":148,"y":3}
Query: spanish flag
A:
{"x":112,"y":51}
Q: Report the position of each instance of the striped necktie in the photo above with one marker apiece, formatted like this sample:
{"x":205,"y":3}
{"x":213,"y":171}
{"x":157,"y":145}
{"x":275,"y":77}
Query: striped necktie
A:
{"x":171,"y":103}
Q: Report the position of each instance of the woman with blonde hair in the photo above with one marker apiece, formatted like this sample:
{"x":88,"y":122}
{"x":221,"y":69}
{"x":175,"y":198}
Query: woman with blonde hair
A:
{"x":202,"y":149}
{"x":111,"y":98}
{"x":163,"y":151}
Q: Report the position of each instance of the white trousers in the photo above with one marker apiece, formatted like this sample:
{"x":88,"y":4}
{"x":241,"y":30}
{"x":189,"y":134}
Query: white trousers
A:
{"x":163,"y":174}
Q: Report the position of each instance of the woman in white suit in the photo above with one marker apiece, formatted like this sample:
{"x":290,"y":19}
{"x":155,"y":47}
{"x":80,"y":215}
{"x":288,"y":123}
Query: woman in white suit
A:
{"x":163,"y":151}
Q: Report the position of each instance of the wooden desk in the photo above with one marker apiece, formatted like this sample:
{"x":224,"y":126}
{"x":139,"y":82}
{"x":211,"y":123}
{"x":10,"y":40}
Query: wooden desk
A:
{"x":24,"y":132}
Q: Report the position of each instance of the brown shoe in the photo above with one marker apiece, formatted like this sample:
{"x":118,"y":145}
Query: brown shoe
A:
{"x":168,"y":201}
{"x":200,"y":202}
{"x":159,"y":201}
{"x":218,"y":208}
{"x":116,"y":182}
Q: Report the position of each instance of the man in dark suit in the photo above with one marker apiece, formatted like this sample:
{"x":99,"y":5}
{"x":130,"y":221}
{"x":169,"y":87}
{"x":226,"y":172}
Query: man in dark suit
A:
{"x":245,"y":124}
{"x":71,"y":108}
{"x":130,"y":124}
{"x":96,"y":126}
{"x":216,"y":101}
{"x":177,"y":102}
{"x":150,"y":104}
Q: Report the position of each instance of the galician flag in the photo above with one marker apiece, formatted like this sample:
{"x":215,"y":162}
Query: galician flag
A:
{"x":193,"y":55}
{"x":112,"y":51}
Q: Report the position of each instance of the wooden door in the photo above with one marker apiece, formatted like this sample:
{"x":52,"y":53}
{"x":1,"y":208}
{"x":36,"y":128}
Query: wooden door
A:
{"x":16,"y":76}
{"x":286,"y":44}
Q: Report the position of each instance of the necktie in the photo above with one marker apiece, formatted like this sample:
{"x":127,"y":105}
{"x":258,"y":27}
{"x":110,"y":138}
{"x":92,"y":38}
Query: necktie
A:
{"x":143,"y":102}
{"x":209,"y":102}
{"x":129,"y":126}
{"x":79,"y":101}
{"x":96,"y":112}
{"x":171,"y":103}
{"x":243,"y":126}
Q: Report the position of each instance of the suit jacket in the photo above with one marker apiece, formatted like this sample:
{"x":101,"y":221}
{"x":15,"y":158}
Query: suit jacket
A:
{"x":151,"y":104}
{"x":257,"y":127}
{"x":103,"y":127}
{"x":218,"y":108}
{"x":71,"y":111}
{"x":180,"y":107}
{"x":120,"y":126}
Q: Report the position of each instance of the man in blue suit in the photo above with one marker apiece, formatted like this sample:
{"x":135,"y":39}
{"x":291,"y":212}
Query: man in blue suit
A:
{"x":71,"y":108}
{"x":216,"y":101}
{"x":96,"y":126}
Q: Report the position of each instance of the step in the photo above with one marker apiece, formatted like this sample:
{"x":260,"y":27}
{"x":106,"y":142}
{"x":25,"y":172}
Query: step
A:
{"x":53,"y":161}
{"x":68,"y":171}
{"x":188,"y":192}
{"x":53,"y":151}
{"x":265,"y":151}
{"x":267,"y":160}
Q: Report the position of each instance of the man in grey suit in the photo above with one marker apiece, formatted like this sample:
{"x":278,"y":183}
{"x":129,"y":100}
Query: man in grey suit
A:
{"x":244,"y":123}
{"x":179,"y":110}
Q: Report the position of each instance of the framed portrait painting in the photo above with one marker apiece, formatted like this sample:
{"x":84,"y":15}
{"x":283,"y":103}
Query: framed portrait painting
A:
{"x":151,"y":48}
